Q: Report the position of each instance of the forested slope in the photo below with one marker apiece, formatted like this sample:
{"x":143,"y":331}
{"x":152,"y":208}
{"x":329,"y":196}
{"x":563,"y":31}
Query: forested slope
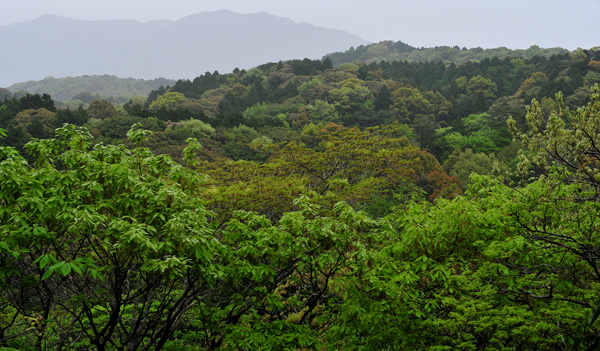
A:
{"x":399,"y":51}
{"x":301,"y":206}
{"x":84,"y":88}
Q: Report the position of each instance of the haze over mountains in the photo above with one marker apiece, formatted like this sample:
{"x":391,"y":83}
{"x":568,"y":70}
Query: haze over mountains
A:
{"x":208,"y":41}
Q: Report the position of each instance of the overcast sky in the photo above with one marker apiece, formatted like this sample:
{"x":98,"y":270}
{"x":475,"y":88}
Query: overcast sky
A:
{"x":467,"y":23}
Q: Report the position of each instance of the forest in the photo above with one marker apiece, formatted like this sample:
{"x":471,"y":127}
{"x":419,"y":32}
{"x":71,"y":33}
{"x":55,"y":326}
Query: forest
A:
{"x":334,"y":204}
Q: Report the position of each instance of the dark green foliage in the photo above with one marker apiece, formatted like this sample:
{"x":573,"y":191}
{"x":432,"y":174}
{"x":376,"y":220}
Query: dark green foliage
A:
{"x":238,"y":151}
{"x":383,"y":99}
{"x":36,"y":129}
{"x":197,"y":87}
{"x":116,"y":128}
{"x":174,"y":115}
{"x":134,"y":109}
{"x":307,"y":67}
{"x":153,"y":95}
{"x":36,"y":101}
{"x":229,"y":119}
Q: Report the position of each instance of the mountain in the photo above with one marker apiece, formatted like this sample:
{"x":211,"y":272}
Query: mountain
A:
{"x":208,"y":41}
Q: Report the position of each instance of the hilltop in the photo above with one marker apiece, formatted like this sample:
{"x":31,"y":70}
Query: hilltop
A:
{"x":391,"y":51}
{"x":105,"y":86}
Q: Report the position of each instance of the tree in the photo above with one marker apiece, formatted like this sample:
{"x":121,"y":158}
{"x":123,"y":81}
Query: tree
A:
{"x":101,"y":109}
{"x":94,"y":264}
{"x":312,"y":90}
{"x":39,"y":123}
{"x":479,"y":84}
{"x":198,"y":128}
{"x":349,"y":98}
{"x":559,"y":212}
{"x":409,"y":103}
{"x":383,"y":99}
{"x":353,"y":166}
{"x":168,"y":101}
{"x":36,"y":101}
{"x":462,"y":163}
{"x":565,"y":139}
{"x":321,"y":111}
{"x":77,"y":117}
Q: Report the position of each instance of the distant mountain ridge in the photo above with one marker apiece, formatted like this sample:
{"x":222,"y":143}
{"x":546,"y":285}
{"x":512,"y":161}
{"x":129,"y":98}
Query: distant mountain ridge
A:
{"x":183,"y":49}
{"x":64,"y":89}
{"x":398,"y":51}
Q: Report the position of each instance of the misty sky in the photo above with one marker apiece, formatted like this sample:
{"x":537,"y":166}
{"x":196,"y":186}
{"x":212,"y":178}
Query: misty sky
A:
{"x":467,"y":23}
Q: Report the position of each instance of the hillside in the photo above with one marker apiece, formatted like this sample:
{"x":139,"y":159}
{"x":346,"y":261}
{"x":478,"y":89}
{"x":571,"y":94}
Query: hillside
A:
{"x":456,"y":112}
{"x":208,"y":41}
{"x":302,"y":206}
{"x":394,"y":51}
{"x":64,"y":89}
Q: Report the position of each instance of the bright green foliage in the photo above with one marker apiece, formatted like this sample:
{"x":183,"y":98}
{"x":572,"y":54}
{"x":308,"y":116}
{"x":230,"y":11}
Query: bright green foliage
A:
{"x":463,"y":275}
{"x":348,"y":98}
{"x":479,"y":84}
{"x":462,"y":163}
{"x":289,"y":277}
{"x":104,"y":247}
{"x":198,"y":128}
{"x":312,"y":89}
{"x":409,"y":103}
{"x":242,"y":133}
{"x":559,"y":212}
{"x":322,"y":111}
{"x":168,"y":100}
{"x":256,"y":110}
{"x":570,"y":139}
{"x":114,"y":249}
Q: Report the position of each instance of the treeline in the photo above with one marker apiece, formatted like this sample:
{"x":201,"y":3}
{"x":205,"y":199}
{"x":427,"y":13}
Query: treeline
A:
{"x":83,"y":89}
{"x":398,"y":51}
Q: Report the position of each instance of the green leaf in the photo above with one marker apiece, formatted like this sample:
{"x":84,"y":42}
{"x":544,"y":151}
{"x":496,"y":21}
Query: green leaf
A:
{"x":45,"y":260}
{"x":56,"y":266}
{"x":47,"y":274}
{"x":76,"y":268}
{"x":65,"y":269}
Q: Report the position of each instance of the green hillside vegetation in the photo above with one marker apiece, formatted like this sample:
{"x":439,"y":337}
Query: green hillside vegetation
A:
{"x":302,"y":206}
{"x":457,"y":113}
{"x":399,"y":51}
{"x":84,"y":89}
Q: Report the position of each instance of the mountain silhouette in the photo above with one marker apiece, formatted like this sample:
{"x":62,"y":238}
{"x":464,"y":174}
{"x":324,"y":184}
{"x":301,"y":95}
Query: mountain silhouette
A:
{"x":183,"y":49}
